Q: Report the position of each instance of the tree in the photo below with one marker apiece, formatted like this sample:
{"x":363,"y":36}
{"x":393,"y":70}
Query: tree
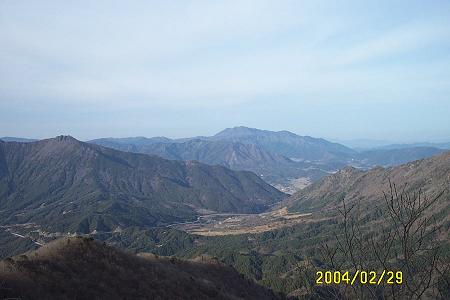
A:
{"x":406,"y":237}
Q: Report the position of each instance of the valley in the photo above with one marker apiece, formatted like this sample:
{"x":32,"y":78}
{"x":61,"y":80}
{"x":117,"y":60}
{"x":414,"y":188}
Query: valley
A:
{"x":293,"y":185}
{"x":233,"y":224}
{"x":212,"y":224}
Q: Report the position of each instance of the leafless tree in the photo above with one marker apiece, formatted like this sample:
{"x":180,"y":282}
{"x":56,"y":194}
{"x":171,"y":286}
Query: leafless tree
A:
{"x":405,"y":237}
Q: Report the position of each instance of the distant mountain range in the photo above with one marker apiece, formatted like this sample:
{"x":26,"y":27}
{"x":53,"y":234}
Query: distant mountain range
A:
{"x":445,"y":146}
{"x":393,"y":157}
{"x":80,"y":268}
{"x":303,"y":148}
{"x":66,"y":185}
{"x":16,"y":139}
{"x":285,"y":143}
{"x":271,"y":166}
{"x":275,"y":156}
{"x":363,"y":144}
{"x":278,"y":157}
{"x":369,"y":144}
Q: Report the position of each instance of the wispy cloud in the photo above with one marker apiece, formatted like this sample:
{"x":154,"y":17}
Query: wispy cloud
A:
{"x":399,"y":41}
{"x":209,"y":54}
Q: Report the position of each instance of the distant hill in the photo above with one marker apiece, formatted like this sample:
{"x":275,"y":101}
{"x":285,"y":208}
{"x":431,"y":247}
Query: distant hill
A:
{"x":266,"y":153}
{"x":235,"y":155}
{"x":284,"y":143}
{"x":16,"y":139}
{"x":445,"y":146}
{"x":363,"y":144}
{"x":80,"y":268}
{"x":131,"y":144}
{"x":278,"y":157}
{"x":431,"y":175}
{"x":287,"y":144}
{"x":393,"y":157}
{"x":66,"y":185}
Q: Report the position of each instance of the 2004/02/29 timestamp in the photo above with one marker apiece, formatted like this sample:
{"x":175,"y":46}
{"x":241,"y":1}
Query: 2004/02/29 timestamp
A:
{"x":361,"y":277}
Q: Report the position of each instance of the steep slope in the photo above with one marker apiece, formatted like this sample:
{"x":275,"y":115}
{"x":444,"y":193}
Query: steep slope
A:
{"x":79,"y":268}
{"x":431,"y":175}
{"x":66,"y":185}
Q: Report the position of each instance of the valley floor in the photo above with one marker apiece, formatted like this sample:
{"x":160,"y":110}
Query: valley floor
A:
{"x":234,"y":224}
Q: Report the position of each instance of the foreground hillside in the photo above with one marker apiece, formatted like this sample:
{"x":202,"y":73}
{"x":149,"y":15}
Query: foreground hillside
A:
{"x":80,"y":268}
{"x":65,"y":185}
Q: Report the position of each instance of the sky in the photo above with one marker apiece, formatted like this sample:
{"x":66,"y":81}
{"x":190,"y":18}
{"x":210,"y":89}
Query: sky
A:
{"x":341,"y":70}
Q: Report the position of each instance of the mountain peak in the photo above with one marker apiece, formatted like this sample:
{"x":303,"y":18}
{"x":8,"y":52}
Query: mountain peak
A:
{"x":238,"y":131}
{"x":241,"y":131}
{"x":65,"y":138}
{"x":61,"y":141}
{"x":349,"y":170}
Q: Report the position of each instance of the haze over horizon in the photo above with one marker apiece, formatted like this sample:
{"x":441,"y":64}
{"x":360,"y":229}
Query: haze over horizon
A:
{"x":343,"y":71}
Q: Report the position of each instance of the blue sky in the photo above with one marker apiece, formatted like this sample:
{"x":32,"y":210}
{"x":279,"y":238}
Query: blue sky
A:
{"x":334,"y":69}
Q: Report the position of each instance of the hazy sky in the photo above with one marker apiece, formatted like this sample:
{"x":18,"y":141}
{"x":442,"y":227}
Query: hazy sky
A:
{"x":334,"y":69}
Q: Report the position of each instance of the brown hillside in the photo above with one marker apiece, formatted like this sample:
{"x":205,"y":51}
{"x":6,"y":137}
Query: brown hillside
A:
{"x":431,"y":175}
{"x":80,"y":268}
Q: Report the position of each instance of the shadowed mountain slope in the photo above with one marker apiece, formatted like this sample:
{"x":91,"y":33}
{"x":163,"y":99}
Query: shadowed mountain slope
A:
{"x":80,"y":268}
{"x":67,"y":185}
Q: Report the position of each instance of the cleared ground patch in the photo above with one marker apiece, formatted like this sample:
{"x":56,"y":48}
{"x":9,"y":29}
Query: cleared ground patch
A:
{"x":232,"y":224}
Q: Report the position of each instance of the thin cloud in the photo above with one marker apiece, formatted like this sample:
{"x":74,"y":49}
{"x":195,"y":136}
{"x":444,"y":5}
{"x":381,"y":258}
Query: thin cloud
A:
{"x":209,"y":56}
